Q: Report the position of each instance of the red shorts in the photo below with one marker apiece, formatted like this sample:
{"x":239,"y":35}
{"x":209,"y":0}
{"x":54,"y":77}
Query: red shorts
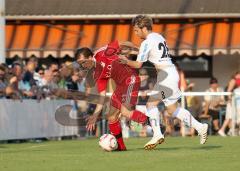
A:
{"x":126,"y":93}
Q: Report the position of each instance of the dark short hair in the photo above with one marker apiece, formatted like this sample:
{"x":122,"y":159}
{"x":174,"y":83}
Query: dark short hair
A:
{"x":86,"y":52}
{"x":213,"y":80}
{"x":2,"y":68}
{"x":17,"y":63}
{"x":142,"y":21}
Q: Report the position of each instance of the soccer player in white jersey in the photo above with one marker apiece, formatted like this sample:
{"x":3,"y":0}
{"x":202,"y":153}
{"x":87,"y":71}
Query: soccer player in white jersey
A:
{"x":154,"y":49}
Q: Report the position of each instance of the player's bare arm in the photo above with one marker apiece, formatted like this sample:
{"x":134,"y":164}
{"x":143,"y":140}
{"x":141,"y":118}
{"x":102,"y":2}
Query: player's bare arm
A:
{"x":91,"y":120}
{"x":132,"y":64}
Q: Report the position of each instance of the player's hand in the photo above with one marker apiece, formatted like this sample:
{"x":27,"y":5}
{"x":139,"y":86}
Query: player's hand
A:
{"x":91,"y":122}
{"x":123,"y":60}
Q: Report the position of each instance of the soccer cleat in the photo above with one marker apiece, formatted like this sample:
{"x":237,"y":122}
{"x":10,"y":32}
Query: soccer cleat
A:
{"x":154,"y":142}
{"x":203,"y":134}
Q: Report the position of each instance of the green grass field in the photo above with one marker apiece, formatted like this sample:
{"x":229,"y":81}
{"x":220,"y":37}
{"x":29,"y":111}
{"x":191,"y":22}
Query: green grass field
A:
{"x":80,"y":155}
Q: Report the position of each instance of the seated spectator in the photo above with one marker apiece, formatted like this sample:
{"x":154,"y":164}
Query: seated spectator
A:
{"x":213,"y":103}
{"x":3,"y":82}
{"x":193,"y":105}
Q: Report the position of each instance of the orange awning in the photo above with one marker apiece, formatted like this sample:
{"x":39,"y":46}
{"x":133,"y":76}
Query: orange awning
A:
{"x":43,"y":40}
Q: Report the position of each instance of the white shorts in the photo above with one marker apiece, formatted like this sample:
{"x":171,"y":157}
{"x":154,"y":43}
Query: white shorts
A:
{"x":167,"y":86}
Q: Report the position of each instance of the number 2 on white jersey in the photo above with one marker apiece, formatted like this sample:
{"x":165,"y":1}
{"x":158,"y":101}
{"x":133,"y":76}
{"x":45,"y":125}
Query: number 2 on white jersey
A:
{"x":162,"y":46}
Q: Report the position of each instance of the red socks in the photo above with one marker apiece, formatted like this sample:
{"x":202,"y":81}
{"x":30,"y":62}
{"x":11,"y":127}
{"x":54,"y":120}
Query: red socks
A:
{"x":116,"y":130}
{"x":139,"y":117}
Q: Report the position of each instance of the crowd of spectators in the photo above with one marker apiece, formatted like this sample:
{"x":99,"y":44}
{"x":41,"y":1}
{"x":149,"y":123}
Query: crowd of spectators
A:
{"x":29,"y":80}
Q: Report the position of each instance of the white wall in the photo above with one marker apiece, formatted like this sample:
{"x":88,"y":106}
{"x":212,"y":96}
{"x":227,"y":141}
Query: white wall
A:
{"x":223,"y":68}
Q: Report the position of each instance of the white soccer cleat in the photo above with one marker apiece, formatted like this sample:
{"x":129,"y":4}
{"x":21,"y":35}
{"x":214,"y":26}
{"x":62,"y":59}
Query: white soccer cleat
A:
{"x":221,"y":133}
{"x":203,"y":134}
{"x":154,"y":142}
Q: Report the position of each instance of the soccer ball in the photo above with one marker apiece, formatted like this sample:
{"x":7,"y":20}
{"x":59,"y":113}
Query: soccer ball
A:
{"x":108,"y":142}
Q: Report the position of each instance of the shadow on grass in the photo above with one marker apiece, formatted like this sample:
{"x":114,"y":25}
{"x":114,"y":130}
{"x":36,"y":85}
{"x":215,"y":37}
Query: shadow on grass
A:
{"x":204,"y":147}
{"x":161,"y":148}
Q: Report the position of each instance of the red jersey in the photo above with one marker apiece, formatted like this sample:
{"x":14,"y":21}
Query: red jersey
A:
{"x":108,"y":66}
{"x":103,"y":65}
{"x":126,"y":79}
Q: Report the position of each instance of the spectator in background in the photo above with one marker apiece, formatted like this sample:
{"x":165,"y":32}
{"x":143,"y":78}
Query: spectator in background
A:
{"x":17,"y":82}
{"x":65,"y":73}
{"x":3,"y":83}
{"x":47,"y":77}
{"x":193,"y":104}
{"x":28,"y":75}
{"x":38,"y":76}
{"x":143,"y":90}
{"x":72,"y":81}
{"x":182,"y":84}
{"x":232,"y":85}
{"x":213,"y":103}
{"x":34,"y":60}
{"x":53,"y":67}
{"x":54,"y":83}
{"x":237,"y":107}
{"x":142,"y":100}
{"x":82,"y":81}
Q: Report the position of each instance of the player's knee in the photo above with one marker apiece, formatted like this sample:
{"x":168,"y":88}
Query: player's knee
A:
{"x":150,"y":105}
{"x":126,"y":112}
{"x":112,"y":117}
{"x":172,"y":108}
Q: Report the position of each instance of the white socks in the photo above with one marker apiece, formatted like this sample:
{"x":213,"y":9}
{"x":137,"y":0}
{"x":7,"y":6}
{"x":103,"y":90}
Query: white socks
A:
{"x":186,"y":117}
{"x":154,"y":116}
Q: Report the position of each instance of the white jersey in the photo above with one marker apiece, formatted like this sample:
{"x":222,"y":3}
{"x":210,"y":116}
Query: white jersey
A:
{"x":155,"y":50}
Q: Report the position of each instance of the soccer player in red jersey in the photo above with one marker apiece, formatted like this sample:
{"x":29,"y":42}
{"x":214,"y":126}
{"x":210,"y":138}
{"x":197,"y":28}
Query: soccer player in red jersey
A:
{"x":106,"y":65}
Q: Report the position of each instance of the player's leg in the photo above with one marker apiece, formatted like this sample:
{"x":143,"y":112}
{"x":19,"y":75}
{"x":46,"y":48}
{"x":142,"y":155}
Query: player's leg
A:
{"x":134,"y":115}
{"x":159,"y":93}
{"x":175,"y":110}
{"x":154,"y":118}
{"x":115,"y":127}
{"x":185,"y":116}
{"x":125,"y":98}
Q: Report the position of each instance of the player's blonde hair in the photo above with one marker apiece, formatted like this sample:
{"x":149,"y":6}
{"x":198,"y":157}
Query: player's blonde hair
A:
{"x":143,"y":21}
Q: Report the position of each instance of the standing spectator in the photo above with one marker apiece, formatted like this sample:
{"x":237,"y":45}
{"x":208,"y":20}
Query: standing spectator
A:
{"x":233,"y":84}
{"x":213,"y":103}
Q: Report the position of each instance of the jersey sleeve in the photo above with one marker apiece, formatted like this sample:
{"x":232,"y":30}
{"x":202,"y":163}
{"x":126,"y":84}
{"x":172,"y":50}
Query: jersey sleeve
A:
{"x":143,"y":52}
{"x":102,"y":85}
